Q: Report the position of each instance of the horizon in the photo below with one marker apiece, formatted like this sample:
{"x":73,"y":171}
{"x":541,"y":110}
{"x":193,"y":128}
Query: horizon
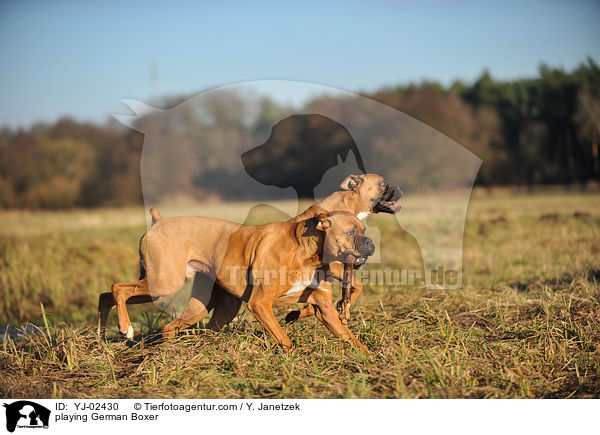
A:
{"x":276,"y":94}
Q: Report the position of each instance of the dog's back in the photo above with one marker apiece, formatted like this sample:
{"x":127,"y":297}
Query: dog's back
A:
{"x":312,"y":211}
{"x":171,"y":243}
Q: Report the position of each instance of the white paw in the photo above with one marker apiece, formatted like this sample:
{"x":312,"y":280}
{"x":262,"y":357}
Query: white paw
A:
{"x":129,"y":333}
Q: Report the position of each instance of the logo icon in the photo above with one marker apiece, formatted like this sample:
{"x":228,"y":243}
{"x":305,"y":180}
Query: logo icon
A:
{"x":26,"y":414}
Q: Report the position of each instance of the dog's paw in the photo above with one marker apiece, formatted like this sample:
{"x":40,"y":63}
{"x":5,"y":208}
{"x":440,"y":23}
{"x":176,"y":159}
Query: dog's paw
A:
{"x":129,"y":333}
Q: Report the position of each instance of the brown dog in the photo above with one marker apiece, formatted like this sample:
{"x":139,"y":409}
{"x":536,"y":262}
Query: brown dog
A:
{"x":361,"y":195}
{"x":281,"y":259}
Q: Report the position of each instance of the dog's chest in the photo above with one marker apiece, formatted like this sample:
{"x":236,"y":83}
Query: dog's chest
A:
{"x":299,"y":286}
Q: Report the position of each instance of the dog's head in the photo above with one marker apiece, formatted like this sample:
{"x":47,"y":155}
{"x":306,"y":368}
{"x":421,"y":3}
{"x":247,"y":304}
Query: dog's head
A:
{"x":345,"y":238}
{"x":299,"y":151}
{"x":376,"y":195}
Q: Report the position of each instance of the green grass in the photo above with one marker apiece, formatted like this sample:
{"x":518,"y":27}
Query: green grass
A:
{"x":526,"y":323}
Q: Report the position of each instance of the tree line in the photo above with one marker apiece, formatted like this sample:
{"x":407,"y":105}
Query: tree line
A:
{"x":540,"y":130}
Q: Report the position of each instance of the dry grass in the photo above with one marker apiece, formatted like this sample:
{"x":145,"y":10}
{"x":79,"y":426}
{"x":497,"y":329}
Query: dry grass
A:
{"x":527,"y":323}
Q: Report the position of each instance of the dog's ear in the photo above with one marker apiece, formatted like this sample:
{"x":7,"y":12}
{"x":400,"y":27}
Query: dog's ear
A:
{"x":351,"y":182}
{"x":323,"y":222}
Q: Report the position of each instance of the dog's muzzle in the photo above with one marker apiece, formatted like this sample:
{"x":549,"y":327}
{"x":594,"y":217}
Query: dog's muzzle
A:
{"x":365,"y":248}
{"x":386,"y":203}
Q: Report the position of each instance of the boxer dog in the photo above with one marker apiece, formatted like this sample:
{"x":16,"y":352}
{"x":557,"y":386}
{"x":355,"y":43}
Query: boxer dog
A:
{"x":360,"y":195}
{"x":267,"y":265}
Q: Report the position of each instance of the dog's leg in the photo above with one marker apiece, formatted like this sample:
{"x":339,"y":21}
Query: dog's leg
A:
{"x":294,"y":315}
{"x":326,"y":313}
{"x":193,"y":313}
{"x":199,"y":305}
{"x":263,"y":311}
{"x":121,"y":293}
{"x":106,"y":302}
{"x":356,"y":289}
{"x":226,"y":308}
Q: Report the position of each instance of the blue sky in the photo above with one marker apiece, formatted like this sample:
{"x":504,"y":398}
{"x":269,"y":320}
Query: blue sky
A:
{"x":80,"y":58}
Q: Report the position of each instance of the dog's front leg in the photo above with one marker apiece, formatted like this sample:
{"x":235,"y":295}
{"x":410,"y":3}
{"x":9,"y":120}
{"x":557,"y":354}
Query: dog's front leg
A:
{"x":306,"y":311}
{"x":337,"y":271}
{"x":326,"y":313}
{"x":356,"y":287}
{"x":262,"y":309}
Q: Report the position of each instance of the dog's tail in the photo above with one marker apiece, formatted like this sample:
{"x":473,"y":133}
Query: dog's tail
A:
{"x":155,"y":215}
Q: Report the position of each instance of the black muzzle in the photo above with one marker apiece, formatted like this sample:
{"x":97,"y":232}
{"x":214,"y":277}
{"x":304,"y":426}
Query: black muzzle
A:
{"x":386,"y":203}
{"x":365,"y":247}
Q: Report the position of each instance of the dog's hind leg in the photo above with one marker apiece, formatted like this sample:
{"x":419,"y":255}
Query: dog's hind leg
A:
{"x":197,"y":308}
{"x":122,"y":292}
{"x":106,"y":302}
{"x":194,"y":312}
{"x":226,"y":308}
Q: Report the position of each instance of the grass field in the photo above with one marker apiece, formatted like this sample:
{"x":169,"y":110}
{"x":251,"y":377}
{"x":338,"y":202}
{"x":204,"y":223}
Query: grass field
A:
{"x":526,"y":323}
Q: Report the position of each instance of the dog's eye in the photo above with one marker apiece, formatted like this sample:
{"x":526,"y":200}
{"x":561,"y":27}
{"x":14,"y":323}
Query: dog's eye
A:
{"x":350,"y":233}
